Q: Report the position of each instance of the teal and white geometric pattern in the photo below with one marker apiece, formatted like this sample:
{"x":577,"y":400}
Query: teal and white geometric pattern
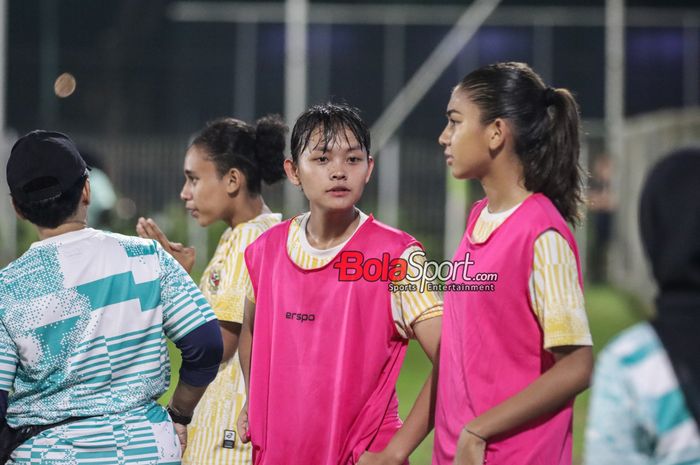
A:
{"x":638,"y":414}
{"x":83,"y":323}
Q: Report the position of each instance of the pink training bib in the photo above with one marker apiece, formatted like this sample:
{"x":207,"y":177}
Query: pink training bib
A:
{"x":491,"y":345}
{"x":326,"y":354}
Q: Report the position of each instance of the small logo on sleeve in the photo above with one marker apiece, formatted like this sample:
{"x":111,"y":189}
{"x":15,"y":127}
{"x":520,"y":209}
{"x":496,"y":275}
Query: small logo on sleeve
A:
{"x":229,"y":439}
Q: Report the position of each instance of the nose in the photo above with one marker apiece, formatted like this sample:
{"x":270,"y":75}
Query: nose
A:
{"x":186,"y":192}
{"x":338,"y":175}
{"x":338,"y":172}
{"x":444,"y":138}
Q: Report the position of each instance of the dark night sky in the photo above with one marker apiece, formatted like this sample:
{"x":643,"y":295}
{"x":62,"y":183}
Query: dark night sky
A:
{"x":139,"y":72}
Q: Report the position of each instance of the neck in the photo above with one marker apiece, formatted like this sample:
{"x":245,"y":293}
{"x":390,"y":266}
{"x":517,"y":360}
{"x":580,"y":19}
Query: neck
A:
{"x":505,"y":185}
{"x":247,"y":209}
{"x":327,"y":228}
{"x":68,"y":226}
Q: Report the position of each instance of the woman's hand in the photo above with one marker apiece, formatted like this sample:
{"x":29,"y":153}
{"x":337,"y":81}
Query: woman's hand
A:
{"x":242,"y":424}
{"x":377,"y":458}
{"x":148,"y":229}
{"x":471,"y":450}
{"x":181,"y":431}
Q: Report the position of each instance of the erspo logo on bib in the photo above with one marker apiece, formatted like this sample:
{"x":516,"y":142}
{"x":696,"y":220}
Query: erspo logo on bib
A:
{"x":300,"y":317}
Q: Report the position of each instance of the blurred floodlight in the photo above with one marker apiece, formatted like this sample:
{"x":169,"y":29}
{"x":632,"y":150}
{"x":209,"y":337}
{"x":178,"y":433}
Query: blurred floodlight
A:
{"x":64,"y":85}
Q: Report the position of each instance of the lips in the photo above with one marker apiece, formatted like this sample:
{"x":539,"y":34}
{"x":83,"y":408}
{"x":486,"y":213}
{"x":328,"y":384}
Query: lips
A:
{"x":338,"y":191}
{"x":449,"y":158}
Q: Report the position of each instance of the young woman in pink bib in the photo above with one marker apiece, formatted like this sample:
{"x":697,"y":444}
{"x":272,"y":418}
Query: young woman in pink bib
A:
{"x":322,"y":352}
{"x":515,"y":347}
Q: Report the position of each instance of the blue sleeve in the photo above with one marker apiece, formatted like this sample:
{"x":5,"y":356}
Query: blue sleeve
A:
{"x":202,"y":349}
{"x":3,"y":404}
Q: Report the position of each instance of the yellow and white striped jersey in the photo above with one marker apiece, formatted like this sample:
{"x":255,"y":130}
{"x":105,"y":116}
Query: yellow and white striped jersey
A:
{"x":223,"y":284}
{"x":408,"y":307}
{"x":555,"y":294}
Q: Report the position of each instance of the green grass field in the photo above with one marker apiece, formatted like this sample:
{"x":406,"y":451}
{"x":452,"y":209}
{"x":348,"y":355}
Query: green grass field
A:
{"x":609,"y":311}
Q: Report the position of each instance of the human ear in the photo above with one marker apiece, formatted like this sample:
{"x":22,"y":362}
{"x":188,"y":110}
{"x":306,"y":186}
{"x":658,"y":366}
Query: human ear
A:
{"x":292,"y":171}
{"x":234,"y":180}
{"x":370,"y":168}
{"x":86,"y":192}
{"x":497,"y":132}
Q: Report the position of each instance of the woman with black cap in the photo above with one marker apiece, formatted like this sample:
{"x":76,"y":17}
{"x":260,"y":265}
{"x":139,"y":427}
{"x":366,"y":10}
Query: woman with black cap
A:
{"x":645,"y":404}
{"x":84,"y":316}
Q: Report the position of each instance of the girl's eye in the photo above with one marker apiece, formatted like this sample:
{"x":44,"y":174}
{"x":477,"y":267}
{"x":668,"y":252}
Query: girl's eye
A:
{"x":322,"y":159}
{"x":353,"y":159}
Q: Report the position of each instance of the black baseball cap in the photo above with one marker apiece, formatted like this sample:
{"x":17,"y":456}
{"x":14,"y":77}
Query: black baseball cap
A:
{"x":47,"y":155}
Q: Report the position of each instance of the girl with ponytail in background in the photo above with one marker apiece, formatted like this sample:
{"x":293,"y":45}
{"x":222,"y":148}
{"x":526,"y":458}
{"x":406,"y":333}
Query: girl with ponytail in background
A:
{"x":515,"y":348}
{"x":224,"y":169}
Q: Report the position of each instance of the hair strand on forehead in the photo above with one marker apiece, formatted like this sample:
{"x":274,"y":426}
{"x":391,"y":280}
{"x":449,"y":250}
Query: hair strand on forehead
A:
{"x":334,"y":120}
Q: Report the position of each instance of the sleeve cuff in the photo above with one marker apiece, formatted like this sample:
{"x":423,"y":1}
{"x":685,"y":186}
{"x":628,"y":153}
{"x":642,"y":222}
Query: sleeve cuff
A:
{"x":567,"y":340}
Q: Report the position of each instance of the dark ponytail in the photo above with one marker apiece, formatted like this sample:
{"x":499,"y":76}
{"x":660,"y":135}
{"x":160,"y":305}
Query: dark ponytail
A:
{"x":545,"y":124}
{"x":257,"y":151}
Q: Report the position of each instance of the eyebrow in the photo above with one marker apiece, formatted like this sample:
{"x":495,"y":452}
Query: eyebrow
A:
{"x":354,"y":148}
{"x":449,"y":112}
{"x":189,"y":173}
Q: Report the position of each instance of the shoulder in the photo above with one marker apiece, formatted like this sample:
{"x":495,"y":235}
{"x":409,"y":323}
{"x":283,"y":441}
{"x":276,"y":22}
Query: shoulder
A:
{"x":271,"y":235}
{"x":413,"y":248}
{"x":26,"y":273}
{"x":389,"y":233}
{"x":274,"y":230}
{"x":538,"y":215}
{"x":4,"y":273}
{"x":132,"y":245}
{"x":551,"y":243}
{"x":15,"y":264}
{"x":250,"y":230}
{"x":543,"y":211}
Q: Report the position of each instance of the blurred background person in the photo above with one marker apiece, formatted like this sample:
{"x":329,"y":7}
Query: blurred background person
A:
{"x":601,"y":208}
{"x":224,"y":169}
{"x":645,"y":402}
{"x":104,"y":197}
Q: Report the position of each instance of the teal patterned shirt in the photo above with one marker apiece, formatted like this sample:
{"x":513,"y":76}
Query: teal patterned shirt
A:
{"x":83,"y":323}
{"x":638,"y":414}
